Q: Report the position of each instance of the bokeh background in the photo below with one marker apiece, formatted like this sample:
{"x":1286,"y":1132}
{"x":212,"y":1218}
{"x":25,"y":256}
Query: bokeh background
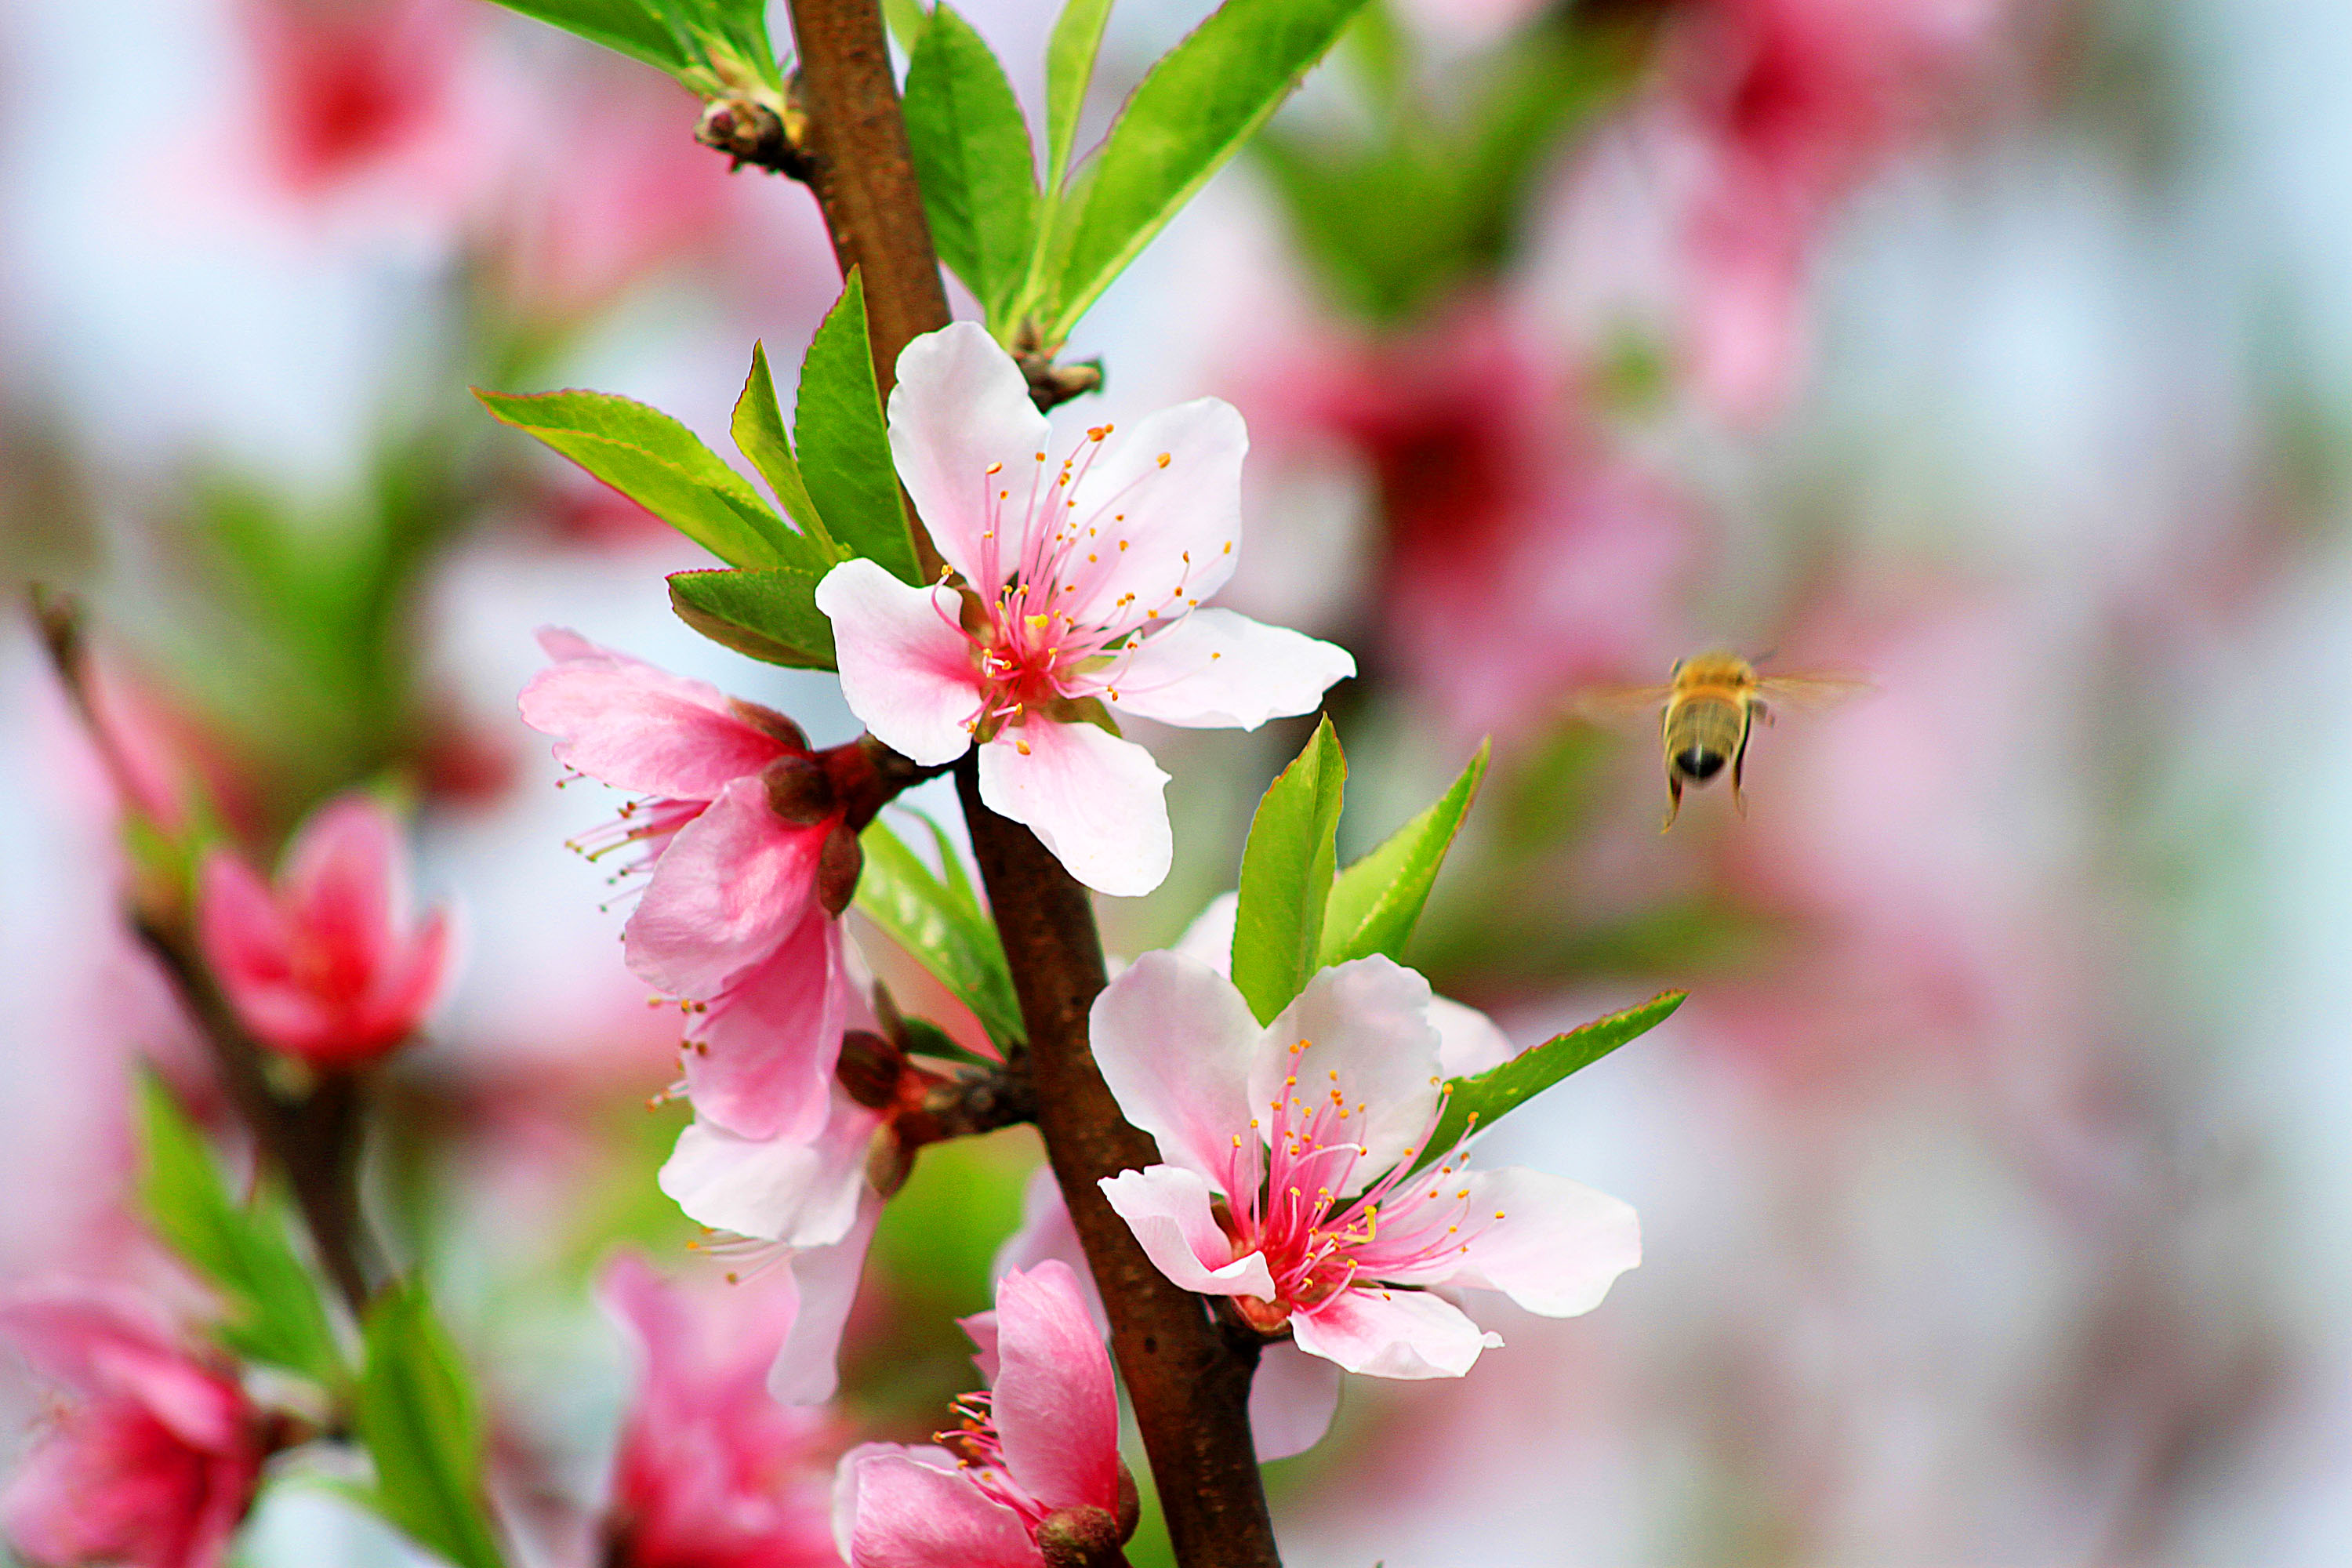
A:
{"x":1994,"y":1181}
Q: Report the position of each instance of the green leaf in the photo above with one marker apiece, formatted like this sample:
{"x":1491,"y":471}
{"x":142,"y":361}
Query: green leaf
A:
{"x":758,"y":428}
{"x":844,"y":449}
{"x":417,"y":1416}
{"x":631,"y":27}
{"x":663,"y":467}
{"x":1479,"y":1101}
{"x":1069,"y":67}
{"x":1206,"y":98}
{"x":274,"y":1311}
{"x":769,"y":613}
{"x":1375,"y":903}
{"x":714,"y":46}
{"x":906,"y":19}
{"x":1286,"y":882}
{"x":973,"y":159}
{"x":942,"y":925}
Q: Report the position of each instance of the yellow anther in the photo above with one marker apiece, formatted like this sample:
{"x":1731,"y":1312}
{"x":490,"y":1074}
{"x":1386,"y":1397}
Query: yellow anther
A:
{"x":995,"y":468}
{"x":1023,"y":746}
{"x":1163,"y":458}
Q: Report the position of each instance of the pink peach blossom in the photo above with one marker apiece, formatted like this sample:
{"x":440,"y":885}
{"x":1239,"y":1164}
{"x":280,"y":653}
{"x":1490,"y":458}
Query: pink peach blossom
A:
{"x":153,"y":1464}
{"x":711,"y":1472}
{"x":348,"y":86}
{"x":327,"y":964}
{"x":1291,"y":1185}
{"x":1084,"y":581}
{"x":1039,"y":1449}
{"x":734,"y":832}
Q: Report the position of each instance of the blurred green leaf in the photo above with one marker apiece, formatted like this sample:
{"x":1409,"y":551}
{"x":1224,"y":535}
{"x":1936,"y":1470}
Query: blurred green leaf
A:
{"x":275,"y":1314}
{"x":1286,"y":882}
{"x":1203,"y":99}
{"x":1481,"y":1100}
{"x":769,"y":613}
{"x":972,"y":160}
{"x":938,"y":921}
{"x":758,"y":428}
{"x":665,"y":468}
{"x":417,"y":1415}
{"x":906,"y":19}
{"x":714,"y":46}
{"x":1069,"y":68}
{"x":1376,"y":902}
{"x":843,"y":447}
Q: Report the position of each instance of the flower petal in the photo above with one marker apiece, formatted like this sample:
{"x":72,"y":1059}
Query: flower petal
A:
{"x":906,"y":670}
{"x":1168,"y":1211}
{"x":801,"y":1192}
{"x":344,"y":882}
{"x":960,"y":406}
{"x":1292,"y":1401}
{"x":1215,"y":669}
{"x":1056,"y":1411}
{"x":1556,"y":1248}
{"x":1209,"y":937}
{"x":1092,"y":798}
{"x":1175,"y":1041}
{"x":760,"y":1058}
{"x":807,"y":1369}
{"x":638,"y":728}
{"x":1392,"y":1333}
{"x":911,"y":1515}
{"x":1468,"y":1042}
{"x":1366,"y":1021}
{"x":734,"y":883}
{"x":1164,"y":497}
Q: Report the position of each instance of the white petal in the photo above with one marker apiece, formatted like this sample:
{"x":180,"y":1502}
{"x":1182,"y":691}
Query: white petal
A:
{"x":798,"y":1192}
{"x":1179,"y":521}
{"x":806,"y":1368}
{"x":1216,"y":670}
{"x":1392,"y":1333}
{"x":1092,"y":798}
{"x":1209,"y":937}
{"x":1175,"y":1040}
{"x":1556,"y":1249}
{"x":1368,"y":1021}
{"x":1292,"y":1400}
{"x":906,"y":670}
{"x":960,"y":406}
{"x":1168,"y":1211}
{"x":1469,"y":1041}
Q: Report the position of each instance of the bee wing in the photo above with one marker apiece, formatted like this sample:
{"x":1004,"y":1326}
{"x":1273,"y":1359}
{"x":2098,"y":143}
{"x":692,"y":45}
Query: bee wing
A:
{"x":1812,"y":691}
{"x":1614,"y":705}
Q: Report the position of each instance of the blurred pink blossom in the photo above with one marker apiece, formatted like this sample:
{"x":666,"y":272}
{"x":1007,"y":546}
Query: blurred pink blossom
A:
{"x":346,"y":86}
{"x":1038,"y":1453}
{"x":711,"y":1472}
{"x":155,"y":1462}
{"x":328,"y":965}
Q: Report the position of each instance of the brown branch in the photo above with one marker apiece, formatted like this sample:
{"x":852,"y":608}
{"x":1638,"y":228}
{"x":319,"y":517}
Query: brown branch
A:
{"x":1188,"y":1383}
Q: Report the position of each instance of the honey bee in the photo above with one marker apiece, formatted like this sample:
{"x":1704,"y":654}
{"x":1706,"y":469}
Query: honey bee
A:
{"x":1709,"y":710}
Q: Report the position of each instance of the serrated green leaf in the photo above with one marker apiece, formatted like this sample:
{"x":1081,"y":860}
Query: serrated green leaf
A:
{"x":1203,"y":99}
{"x":1286,"y":882}
{"x":274,"y":1313}
{"x":663,"y":467}
{"x":758,"y":428}
{"x":844,"y":446}
{"x":973,"y":159}
{"x":415,"y":1413}
{"x":942,"y":924}
{"x":1375,"y":903}
{"x":714,"y":46}
{"x":769,"y":613}
{"x":1069,"y":68}
{"x":1479,"y":1101}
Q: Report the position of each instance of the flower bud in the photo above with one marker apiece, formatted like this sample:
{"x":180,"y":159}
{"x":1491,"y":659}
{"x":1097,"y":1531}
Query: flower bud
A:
{"x":798,"y":790}
{"x":1080,"y":1537}
{"x":870,"y":1068}
{"x":837,"y":869}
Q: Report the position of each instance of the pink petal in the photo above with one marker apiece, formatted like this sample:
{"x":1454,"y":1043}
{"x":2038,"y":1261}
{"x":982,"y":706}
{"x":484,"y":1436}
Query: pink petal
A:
{"x":638,"y":728}
{"x":411,"y":983}
{"x":845,"y":1483}
{"x":1189,"y":506}
{"x":909,"y":1515}
{"x":344,"y":883}
{"x":1555,"y":1251}
{"x":960,"y":408}
{"x":1367,"y":1020}
{"x":1217,"y":670}
{"x":1292,"y":1401}
{"x":801,"y":1192}
{"x":1391,"y":1333}
{"x":1469,"y":1043}
{"x":1169,"y":1210}
{"x":906,"y":670}
{"x":1175,"y":1042}
{"x":1091,"y":797}
{"x":1209,"y":937}
{"x":1056,"y":1411}
{"x":734,"y":883}
{"x":1047,"y":1232}
{"x":980,"y":1327}
{"x":760,"y":1058}
{"x":249,"y":942}
{"x":806,"y":1370}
